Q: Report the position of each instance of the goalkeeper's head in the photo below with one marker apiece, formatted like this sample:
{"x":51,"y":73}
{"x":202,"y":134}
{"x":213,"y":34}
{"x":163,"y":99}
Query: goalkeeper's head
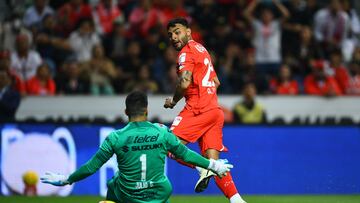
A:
{"x":136,"y":106}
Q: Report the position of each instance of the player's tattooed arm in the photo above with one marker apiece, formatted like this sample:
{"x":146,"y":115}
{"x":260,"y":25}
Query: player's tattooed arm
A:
{"x":184,"y":80}
{"x":217,"y":82}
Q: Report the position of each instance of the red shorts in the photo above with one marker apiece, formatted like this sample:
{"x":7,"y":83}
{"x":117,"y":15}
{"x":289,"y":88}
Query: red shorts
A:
{"x":206,"y":128}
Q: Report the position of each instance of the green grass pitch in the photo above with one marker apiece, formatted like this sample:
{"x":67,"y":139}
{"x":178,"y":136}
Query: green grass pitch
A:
{"x":199,"y":199}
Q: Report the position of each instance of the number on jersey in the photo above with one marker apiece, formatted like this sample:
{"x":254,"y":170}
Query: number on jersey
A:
{"x":143,"y":167}
{"x":206,"y":82}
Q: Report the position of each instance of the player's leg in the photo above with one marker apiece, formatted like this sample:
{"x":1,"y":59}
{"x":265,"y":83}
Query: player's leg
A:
{"x":226,"y":183}
{"x":211,"y":145}
{"x":185,"y":127}
{"x":110,"y":195}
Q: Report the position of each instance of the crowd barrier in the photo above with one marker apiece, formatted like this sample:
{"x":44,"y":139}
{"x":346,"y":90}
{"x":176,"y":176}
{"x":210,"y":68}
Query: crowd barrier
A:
{"x":289,"y":109}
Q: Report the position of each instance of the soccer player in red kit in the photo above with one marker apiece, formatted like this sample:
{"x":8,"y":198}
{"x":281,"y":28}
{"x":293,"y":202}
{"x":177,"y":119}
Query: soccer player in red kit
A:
{"x":201,"y":119}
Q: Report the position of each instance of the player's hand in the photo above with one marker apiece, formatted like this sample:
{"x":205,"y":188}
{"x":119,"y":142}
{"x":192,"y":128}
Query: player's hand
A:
{"x":54,"y":179}
{"x":169,"y":103}
{"x":220,"y":166}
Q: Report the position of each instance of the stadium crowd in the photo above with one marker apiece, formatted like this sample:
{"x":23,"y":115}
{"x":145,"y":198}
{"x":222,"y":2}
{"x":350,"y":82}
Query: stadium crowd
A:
{"x":107,"y":47}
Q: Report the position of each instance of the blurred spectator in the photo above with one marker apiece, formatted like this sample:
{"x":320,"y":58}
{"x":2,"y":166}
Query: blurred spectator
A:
{"x":115,"y":42}
{"x":9,"y":98}
{"x":354,"y":33}
{"x":249,"y":111}
{"x":248,"y":73}
{"x":339,"y":71}
{"x":284,"y":84}
{"x":223,"y":76}
{"x":219,"y":37}
{"x":105,"y":13}
{"x":5,"y":64}
{"x":131,"y":61}
{"x":267,"y":36}
{"x":102,"y":72}
{"x":318,"y":83}
{"x":18,"y":6}
{"x":240,"y":27}
{"x":51,"y":45}
{"x":306,"y":50}
{"x":142,"y":82}
{"x":35,"y":14}
{"x":71,"y":79}
{"x":42,"y":84}
{"x":143,"y":17}
{"x":168,"y":85}
{"x":311,"y":7}
{"x":356,"y":55}
{"x":228,"y":114}
{"x":298,"y":19}
{"x":84,"y":39}
{"x":205,"y":15}
{"x":71,"y":13}
{"x":229,"y":66}
{"x":353,"y":87}
{"x":24,"y":61}
{"x":173,"y":9}
{"x":331,"y":26}
{"x":10,"y":29}
{"x":151,"y":47}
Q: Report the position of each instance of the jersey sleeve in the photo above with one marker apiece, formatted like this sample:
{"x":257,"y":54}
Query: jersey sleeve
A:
{"x":186,"y":61}
{"x":106,"y":146}
{"x":182,"y":152}
{"x":100,"y":158}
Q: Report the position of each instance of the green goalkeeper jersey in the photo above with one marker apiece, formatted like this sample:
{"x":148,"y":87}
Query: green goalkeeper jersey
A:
{"x":141,"y":149}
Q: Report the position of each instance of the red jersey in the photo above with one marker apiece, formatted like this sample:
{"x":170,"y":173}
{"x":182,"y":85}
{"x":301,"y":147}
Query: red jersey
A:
{"x":289,"y":88}
{"x":314,"y":87}
{"x":34,"y":87}
{"x":201,"y":95}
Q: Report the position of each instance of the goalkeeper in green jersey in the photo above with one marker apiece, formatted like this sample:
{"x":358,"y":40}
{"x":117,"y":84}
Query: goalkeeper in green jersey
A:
{"x":140,"y":148}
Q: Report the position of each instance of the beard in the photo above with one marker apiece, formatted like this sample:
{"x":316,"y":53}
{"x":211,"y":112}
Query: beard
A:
{"x":183,"y":41}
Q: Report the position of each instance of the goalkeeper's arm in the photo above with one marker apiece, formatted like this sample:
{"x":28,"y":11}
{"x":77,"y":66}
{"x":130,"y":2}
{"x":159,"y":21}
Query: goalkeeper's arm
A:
{"x":84,"y":171}
{"x":99,"y":159}
{"x":180,"y":151}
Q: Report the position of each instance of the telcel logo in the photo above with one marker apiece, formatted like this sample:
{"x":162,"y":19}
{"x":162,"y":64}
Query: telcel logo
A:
{"x":146,"y":138}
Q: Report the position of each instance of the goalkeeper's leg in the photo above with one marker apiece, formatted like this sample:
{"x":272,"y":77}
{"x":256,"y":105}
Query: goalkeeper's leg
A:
{"x":110,"y":195}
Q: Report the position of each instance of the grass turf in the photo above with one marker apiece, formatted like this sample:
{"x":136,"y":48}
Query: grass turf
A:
{"x":199,"y":199}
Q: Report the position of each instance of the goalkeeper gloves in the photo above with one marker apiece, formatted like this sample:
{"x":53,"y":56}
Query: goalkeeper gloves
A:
{"x":54,"y":179}
{"x":220,"y":166}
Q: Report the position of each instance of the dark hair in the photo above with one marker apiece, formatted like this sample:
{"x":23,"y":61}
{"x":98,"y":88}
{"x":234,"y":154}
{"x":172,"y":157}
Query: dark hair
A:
{"x":84,"y":20}
{"x":175,"y":21}
{"x":136,"y":103}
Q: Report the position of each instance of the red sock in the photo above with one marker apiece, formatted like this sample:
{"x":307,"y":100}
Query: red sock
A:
{"x":226,"y":185}
{"x":171,"y":156}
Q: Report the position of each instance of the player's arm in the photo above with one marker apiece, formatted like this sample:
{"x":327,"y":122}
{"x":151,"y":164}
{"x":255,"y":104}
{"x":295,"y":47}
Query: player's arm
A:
{"x":184,"y":80}
{"x":217,"y":82}
{"x":100,"y":158}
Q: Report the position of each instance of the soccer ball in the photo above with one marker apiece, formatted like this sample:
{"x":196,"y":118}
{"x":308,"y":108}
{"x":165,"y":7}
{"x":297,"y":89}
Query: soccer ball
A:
{"x":30,"y":178}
